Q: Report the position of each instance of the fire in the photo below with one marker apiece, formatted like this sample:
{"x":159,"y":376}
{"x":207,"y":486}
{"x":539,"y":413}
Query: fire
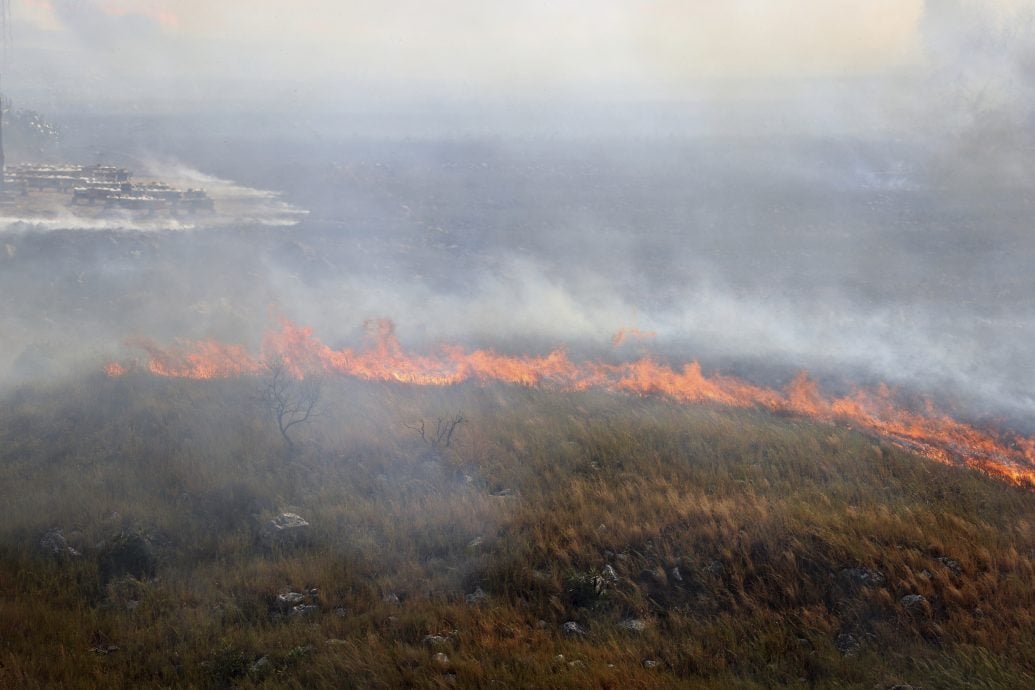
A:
{"x":114,"y":369}
{"x":629,"y":334}
{"x":927,"y":432}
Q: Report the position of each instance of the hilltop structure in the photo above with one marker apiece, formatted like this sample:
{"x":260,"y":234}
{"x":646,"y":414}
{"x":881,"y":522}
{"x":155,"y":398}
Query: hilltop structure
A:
{"x":106,"y":185}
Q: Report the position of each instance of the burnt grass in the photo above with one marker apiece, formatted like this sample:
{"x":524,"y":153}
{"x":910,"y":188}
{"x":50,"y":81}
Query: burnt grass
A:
{"x":691,"y":546}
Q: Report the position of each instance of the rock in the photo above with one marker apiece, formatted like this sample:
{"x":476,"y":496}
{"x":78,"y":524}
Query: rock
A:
{"x":503,"y":493}
{"x":304,"y":611}
{"x":633,"y":624}
{"x":847,"y":644}
{"x":651,"y":663}
{"x":914,"y":603}
{"x":609,"y":574}
{"x":441,"y":660}
{"x":573,"y":629}
{"x":288,"y":521}
{"x":53,"y":543}
{"x":951,"y":564}
{"x":863,"y":577}
{"x":435,"y":641}
{"x":261,"y":666}
{"x":287,"y":529}
{"x":289,"y":600}
{"x":476,"y":597}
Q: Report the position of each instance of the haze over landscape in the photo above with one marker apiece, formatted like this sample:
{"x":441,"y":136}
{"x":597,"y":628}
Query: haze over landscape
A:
{"x":580,"y":198}
{"x":851,"y":192}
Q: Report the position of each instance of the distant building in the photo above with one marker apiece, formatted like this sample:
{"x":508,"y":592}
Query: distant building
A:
{"x":106,"y":184}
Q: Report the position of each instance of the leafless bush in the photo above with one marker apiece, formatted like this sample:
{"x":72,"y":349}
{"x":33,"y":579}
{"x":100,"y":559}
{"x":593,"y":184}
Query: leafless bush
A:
{"x":442,"y":435}
{"x":290,"y":401}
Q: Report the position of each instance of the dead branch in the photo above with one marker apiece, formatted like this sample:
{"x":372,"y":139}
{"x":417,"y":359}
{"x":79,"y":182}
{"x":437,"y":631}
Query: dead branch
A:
{"x":290,"y":401}
{"x":442,"y":436}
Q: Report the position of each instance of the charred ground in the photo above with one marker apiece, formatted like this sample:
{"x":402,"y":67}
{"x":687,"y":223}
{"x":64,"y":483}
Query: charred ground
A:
{"x":562,"y":540}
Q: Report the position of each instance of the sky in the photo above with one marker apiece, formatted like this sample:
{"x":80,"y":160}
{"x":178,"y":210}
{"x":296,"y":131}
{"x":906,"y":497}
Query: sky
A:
{"x":460,"y":49}
{"x":850,"y":63}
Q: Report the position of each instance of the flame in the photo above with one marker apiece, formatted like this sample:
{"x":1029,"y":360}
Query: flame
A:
{"x":625,"y":334}
{"x":929,"y":432}
{"x":205,"y":359}
{"x":114,"y":369}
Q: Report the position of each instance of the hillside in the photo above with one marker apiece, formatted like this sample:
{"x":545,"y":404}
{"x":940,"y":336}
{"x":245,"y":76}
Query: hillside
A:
{"x":582,"y":539}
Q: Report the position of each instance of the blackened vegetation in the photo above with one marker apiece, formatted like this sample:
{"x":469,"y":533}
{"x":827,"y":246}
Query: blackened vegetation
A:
{"x":154,"y":535}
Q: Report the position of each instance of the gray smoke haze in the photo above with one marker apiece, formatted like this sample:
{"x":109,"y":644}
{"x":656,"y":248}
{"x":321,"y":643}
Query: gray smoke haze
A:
{"x":860,"y":218}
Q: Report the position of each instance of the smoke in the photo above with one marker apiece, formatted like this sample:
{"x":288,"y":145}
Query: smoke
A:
{"x":871,"y":221}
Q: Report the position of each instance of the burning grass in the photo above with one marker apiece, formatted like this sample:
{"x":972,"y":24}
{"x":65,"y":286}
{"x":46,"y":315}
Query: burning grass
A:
{"x":926,"y":431}
{"x":747,"y":546}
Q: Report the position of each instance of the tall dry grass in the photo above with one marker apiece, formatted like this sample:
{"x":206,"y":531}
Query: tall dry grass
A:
{"x":729,"y":535}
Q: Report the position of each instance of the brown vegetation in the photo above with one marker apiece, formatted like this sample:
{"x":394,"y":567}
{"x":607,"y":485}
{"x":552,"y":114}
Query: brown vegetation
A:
{"x":752,"y":550}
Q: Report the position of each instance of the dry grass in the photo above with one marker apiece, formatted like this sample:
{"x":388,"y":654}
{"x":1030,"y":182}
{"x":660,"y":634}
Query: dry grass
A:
{"x":537,"y":493}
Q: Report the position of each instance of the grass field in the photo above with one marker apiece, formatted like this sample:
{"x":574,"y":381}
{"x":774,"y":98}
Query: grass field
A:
{"x":559,"y":540}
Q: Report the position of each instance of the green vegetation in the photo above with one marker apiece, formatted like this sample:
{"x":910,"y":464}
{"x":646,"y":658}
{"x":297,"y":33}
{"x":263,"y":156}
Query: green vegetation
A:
{"x":752,"y":550}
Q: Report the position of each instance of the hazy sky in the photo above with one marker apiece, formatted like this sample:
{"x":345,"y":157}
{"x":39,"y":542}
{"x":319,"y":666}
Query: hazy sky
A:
{"x":460,"y":48}
{"x":817,"y":65}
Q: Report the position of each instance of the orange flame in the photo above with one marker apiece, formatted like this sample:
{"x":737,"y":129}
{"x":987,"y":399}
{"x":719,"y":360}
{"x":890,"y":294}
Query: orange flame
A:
{"x":625,"y":334}
{"x":928,"y":432}
{"x":114,"y":369}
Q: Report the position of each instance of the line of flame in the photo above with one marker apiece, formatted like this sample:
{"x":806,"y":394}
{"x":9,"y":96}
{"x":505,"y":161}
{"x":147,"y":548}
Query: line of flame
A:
{"x":928,"y":432}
